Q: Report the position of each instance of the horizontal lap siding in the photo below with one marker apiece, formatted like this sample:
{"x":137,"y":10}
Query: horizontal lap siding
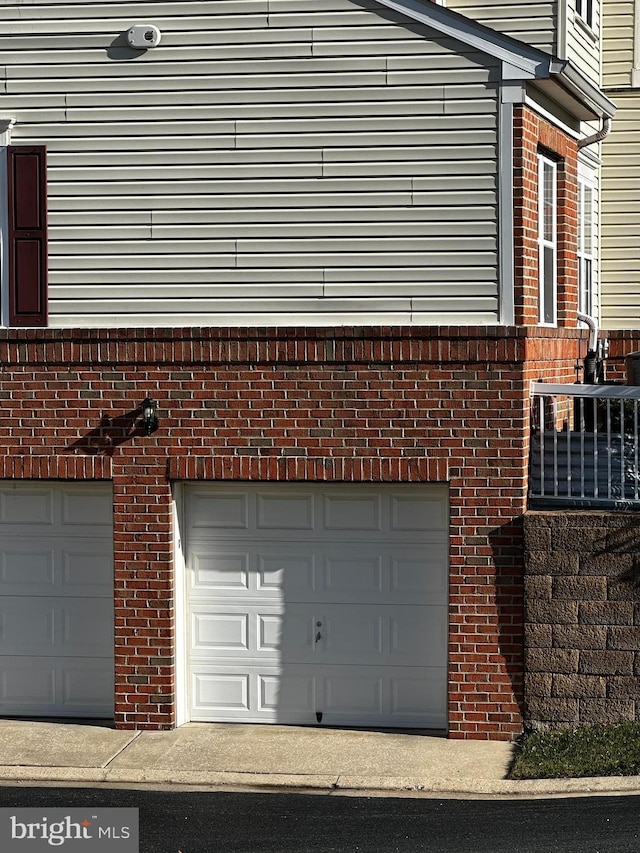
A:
{"x":583,"y":43}
{"x":617,"y":44}
{"x":536,"y":23}
{"x":532,"y":22}
{"x":621,"y":216}
{"x":307,"y":161}
{"x":621,"y":176}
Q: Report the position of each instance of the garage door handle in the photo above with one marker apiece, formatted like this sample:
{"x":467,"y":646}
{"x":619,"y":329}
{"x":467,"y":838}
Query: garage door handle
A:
{"x":318,"y":637}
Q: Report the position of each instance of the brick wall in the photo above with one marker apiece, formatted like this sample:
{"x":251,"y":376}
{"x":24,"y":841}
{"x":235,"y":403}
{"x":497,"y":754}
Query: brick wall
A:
{"x":533,"y":134}
{"x":582,"y":615}
{"x":345,"y":405}
{"x":621,"y":343}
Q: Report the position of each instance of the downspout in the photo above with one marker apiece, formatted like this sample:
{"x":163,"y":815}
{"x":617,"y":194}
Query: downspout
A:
{"x":596,"y":352}
{"x":593,"y":326}
{"x":605,"y":130}
{"x":593,"y":364}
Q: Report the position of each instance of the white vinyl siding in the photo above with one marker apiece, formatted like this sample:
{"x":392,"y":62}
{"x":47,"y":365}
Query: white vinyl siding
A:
{"x":301,"y":162}
{"x":532,"y":22}
{"x":583,"y":41}
{"x":536,"y":23}
{"x":618,"y":56}
{"x":621,"y":217}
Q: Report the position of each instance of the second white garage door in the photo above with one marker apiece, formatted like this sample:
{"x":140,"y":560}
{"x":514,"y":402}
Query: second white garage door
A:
{"x":56,"y":599}
{"x":316,"y":604}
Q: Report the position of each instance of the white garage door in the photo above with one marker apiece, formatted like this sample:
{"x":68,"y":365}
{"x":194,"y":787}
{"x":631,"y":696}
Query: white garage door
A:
{"x":56,"y":600}
{"x":318,"y":604}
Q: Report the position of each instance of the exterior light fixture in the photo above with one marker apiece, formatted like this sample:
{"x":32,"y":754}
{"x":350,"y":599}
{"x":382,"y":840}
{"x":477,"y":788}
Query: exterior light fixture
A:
{"x":149,"y":415}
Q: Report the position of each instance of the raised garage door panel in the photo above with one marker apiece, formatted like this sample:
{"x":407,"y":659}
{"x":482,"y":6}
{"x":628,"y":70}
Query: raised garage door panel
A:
{"x":310,"y":602}
{"x":56,"y":602}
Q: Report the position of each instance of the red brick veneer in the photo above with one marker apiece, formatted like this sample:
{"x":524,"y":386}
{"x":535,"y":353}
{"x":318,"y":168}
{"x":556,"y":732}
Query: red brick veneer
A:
{"x":347,"y":404}
{"x":532,"y":134}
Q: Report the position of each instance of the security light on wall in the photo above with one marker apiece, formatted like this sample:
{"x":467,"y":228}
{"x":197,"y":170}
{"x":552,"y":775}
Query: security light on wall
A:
{"x":143,"y":36}
{"x":149,"y":415}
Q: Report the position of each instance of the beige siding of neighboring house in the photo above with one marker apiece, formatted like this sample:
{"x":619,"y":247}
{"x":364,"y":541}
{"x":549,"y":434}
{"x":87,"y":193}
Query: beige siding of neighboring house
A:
{"x":298,"y":161}
{"x":617,"y":43}
{"x":621,"y":175}
{"x":621,"y":216}
{"x":533,"y":21}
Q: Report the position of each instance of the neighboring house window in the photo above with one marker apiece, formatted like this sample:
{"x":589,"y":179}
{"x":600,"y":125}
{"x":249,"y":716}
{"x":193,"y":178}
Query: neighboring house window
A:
{"x":585,"y":248}
{"x":27,"y":235}
{"x":584,"y":9}
{"x":547,"y":240}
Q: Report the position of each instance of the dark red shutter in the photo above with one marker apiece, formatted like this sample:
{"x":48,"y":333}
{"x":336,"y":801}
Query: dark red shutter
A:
{"x":27,"y":189}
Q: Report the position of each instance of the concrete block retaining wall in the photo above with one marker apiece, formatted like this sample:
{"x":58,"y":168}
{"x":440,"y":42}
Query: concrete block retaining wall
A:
{"x":582,"y":618}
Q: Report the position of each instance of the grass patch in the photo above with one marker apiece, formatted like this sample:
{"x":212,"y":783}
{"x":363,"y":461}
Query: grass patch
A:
{"x":577,"y":752}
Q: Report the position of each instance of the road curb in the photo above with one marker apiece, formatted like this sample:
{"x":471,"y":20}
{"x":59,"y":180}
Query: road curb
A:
{"x":311,"y":782}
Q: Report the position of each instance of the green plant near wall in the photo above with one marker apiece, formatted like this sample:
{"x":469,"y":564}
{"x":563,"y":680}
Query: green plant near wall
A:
{"x":578,"y":752}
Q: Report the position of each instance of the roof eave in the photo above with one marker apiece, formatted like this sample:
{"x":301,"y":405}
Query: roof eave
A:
{"x":587,"y":97}
{"x":559,"y":79}
{"x":529,"y":60}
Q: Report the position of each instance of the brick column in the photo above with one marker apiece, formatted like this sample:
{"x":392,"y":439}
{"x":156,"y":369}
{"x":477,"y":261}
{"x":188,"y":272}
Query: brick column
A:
{"x":143,"y":596}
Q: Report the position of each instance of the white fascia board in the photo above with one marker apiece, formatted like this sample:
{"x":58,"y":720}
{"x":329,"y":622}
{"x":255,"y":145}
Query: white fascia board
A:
{"x":529,"y":61}
{"x":582,"y":89}
{"x":512,"y":72}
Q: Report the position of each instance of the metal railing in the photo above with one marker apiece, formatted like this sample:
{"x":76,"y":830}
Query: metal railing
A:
{"x":585,"y":445}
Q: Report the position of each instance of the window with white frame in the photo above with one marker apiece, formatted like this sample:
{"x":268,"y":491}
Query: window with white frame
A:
{"x":586,"y":253}
{"x":584,"y":10}
{"x":547,"y":240}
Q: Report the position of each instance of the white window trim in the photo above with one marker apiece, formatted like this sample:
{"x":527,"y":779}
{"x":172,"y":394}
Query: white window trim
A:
{"x":586,"y":248}
{"x":544,"y":243}
{"x":588,"y":18}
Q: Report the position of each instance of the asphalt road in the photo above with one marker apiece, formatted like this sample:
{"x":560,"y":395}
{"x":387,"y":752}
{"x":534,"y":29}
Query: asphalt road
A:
{"x":208,"y":822}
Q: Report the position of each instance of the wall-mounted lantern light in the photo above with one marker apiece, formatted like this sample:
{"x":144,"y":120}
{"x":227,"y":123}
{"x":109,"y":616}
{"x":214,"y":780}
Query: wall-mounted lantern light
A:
{"x":149,"y":415}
